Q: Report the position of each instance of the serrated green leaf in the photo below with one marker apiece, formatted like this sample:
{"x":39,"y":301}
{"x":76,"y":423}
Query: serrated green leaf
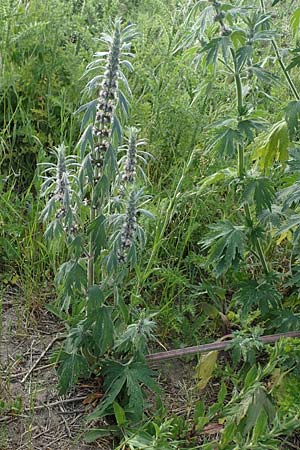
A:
{"x":226,"y":244}
{"x":243,"y":54}
{"x":261,"y":191}
{"x":103,"y":329}
{"x":95,"y":299}
{"x":264,"y":76}
{"x":274,"y":147}
{"x":98,"y":233}
{"x":225,"y":142}
{"x":259,"y":295}
{"x":261,"y":426}
{"x":71,"y":275}
{"x":228,"y":434}
{"x":72,"y":366}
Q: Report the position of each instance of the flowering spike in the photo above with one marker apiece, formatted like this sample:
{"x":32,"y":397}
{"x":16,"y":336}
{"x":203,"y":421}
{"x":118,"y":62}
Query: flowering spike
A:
{"x":129,"y":227}
{"x":129,"y":171}
{"x":108,"y":95}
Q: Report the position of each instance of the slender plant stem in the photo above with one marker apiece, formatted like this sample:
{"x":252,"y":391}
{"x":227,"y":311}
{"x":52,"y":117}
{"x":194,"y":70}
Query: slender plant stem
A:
{"x":241,"y":164}
{"x":91,"y":269}
{"x":285,"y":72}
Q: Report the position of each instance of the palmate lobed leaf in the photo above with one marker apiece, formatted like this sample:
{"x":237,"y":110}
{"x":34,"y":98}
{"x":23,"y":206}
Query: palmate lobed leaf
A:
{"x":226,"y":142}
{"x":252,"y":294}
{"x":71,"y":275}
{"x":131,"y":377}
{"x":256,"y":399}
{"x":72,"y":366}
{"x":261,"y":191}
{"x":226,"y":243}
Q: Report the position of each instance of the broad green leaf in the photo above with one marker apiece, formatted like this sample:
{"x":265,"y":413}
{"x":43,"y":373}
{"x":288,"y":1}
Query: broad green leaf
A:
{"x":243,"y":54}
{"x":98,"y":233}
{"x":226,"y":244}
{"x":258,"y":401}
{"x":86,"y":138}
{"x":119,"y":414}
{"x":131,"y":377}
{"x":95,"y":299}
{"x":205,"y":368}
{"x":249,"y":127}
{"x":226,"y":142}
{"x":211,"y":51}
{"x":72,"y":366}
{"x":261,"y":426}
{"x":295,"y":21}
{"x":251,"y":377}
{"x":118,"y":380}
{"x":222,"y":393}
{"x":199,"y":410}
{"x":97,"y":433}
{"x":257,"y":295}
{"x":292,"y":117}
{"x":274,"y":147}
{"x":71,"y":275}
{"x":220,"y":176}
{"x":102,"y":328}
{"x":261,"y":191}
{"x":228,"y":434}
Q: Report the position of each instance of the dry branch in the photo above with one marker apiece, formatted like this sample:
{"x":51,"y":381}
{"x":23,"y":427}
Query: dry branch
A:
{"x":214,"y":346}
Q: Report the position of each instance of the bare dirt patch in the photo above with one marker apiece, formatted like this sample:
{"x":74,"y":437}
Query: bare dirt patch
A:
{"x":32,"y":414}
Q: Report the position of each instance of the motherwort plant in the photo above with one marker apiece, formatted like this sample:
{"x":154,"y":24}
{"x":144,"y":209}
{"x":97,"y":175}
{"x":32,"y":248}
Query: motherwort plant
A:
{"x":96,"y":209}
{"x":228,"y":39}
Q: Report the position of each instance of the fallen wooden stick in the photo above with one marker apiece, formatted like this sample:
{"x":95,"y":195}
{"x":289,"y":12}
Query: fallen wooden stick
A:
{"x":32,"y":368}
{"x":214,"y":346}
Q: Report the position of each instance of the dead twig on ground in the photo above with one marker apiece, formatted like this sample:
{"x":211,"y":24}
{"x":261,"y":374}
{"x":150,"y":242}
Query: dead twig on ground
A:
{"x":57,"y":338}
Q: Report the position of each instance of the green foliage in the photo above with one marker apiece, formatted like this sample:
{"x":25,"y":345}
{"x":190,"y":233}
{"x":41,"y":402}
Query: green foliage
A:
{"x":274,"y":147}
{"x":128,"y":378}
{"x":246,"y":347}
{"x":260,"y":191}
{"x":226,"y":244}
{"x":262,"y":295}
